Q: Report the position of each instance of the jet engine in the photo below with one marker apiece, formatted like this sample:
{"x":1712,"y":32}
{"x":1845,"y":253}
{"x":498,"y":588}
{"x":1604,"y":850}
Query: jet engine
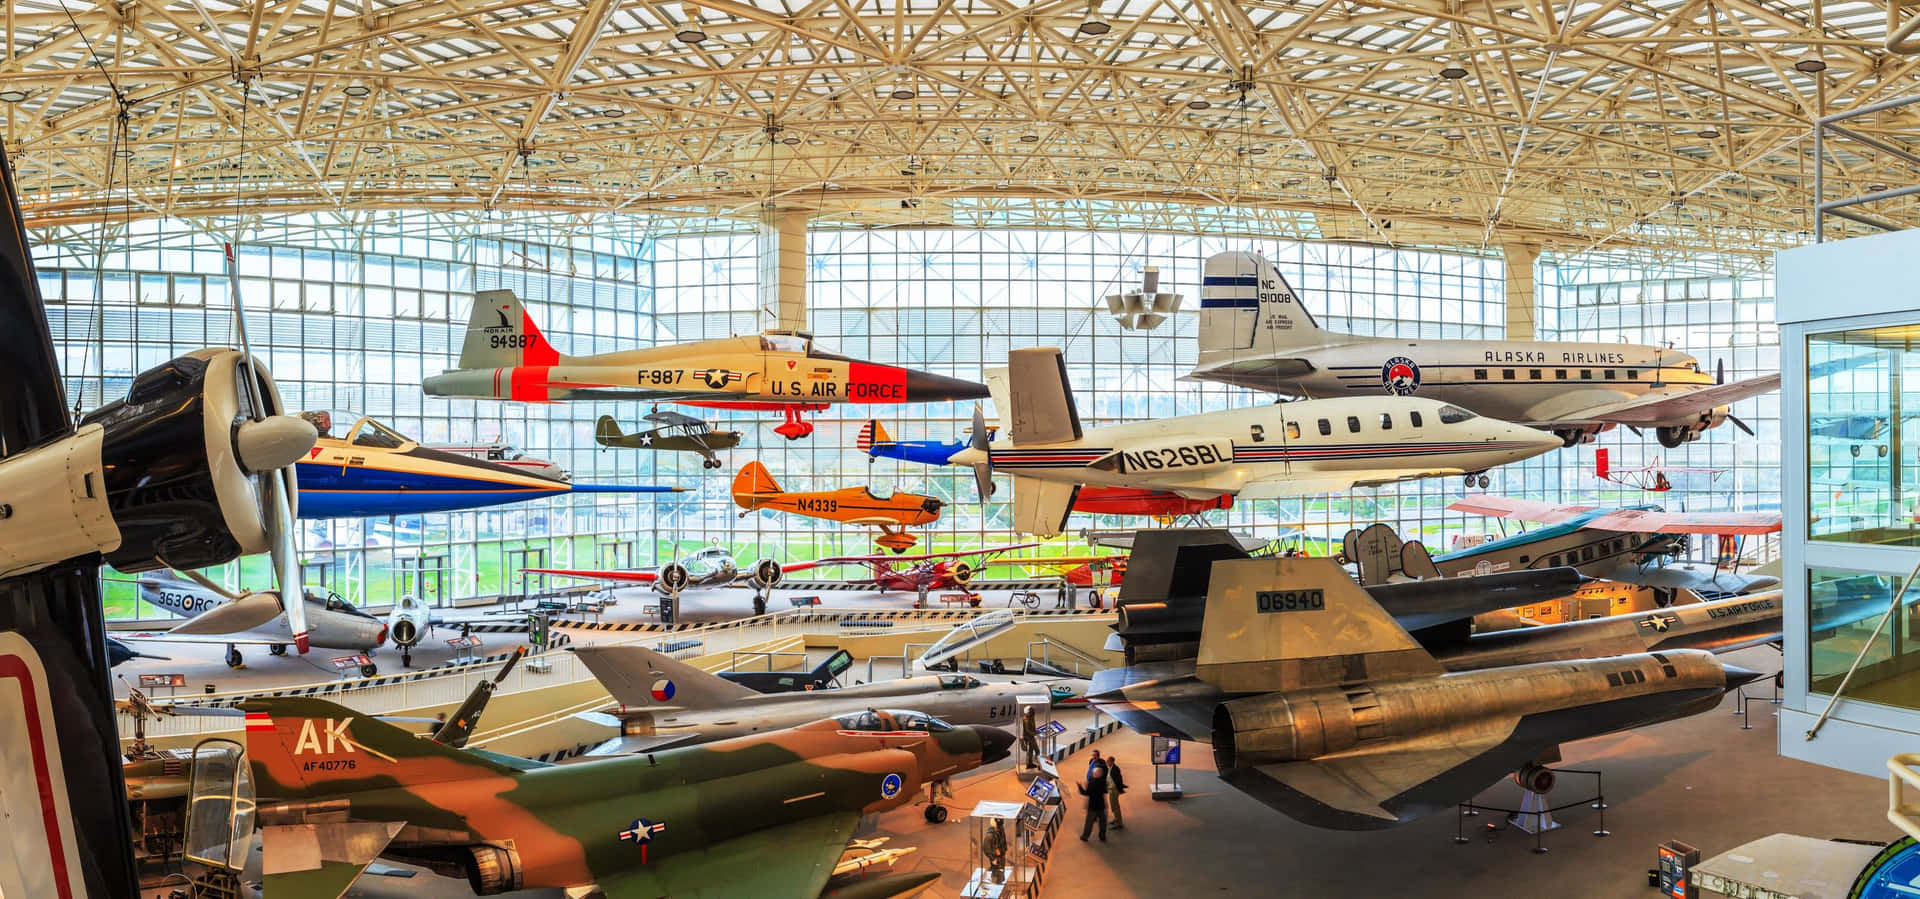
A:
{"x":1281,"y":727}
{"x":1672,"y":436}
{"x":174,"y":475}
{"x":492,"y":870}
{"x":408,"y":623}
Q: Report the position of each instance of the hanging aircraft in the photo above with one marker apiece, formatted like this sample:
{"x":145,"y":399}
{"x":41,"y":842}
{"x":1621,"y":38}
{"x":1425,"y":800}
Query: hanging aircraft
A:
{"x":186,"y":471}
{"x":715,"y":567}
{"x":1255,"y":333}
{"x":1653,"y":478}
{"x":1264,"y":452}
{"x":1856,"y":431}
{"x":1161,"y":504}
{"x":505,"y":357}
{"x":754,"y":488}
{"x":256,"y":618}
{"x":665,"y":702}
{"x":672,"y":432}
{"x":1273,"y":680}
{"x":377,"y":471}
{"x":764,"y":815}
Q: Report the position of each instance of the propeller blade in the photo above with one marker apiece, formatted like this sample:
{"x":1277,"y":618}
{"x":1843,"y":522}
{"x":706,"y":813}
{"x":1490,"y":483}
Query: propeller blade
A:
{"x":1740,"y":424}
{"x":1720,"y":373}
{"x":1636,"y":431}
{"x":286,"y":558}
{"x":202,"y":580}
{"x":983,"y":469}
{"x":243,"y":614}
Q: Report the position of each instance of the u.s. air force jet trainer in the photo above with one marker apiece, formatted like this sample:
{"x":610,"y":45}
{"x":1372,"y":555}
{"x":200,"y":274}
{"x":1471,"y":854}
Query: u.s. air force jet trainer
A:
{"x":665,"y":702}
{"x":505,"y":357}
{"x":1255,"y":333}
{"x":1290,"y":449}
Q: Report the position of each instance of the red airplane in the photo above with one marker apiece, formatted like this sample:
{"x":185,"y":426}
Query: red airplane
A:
{"x":1135,"y":501}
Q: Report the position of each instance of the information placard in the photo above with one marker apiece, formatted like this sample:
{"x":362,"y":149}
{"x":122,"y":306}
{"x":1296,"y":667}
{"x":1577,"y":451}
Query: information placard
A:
{"x":1166,"y":750}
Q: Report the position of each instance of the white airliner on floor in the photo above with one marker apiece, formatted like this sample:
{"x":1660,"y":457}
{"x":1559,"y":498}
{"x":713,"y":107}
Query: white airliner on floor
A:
{"x":1255,"y":333}
{"x":1286,"y":449}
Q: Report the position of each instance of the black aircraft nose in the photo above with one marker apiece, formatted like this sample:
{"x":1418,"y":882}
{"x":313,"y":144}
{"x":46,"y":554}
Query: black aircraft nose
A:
{"x":923,"y":387}
{"x":1738,"y":677}
{"x":995,"y":744}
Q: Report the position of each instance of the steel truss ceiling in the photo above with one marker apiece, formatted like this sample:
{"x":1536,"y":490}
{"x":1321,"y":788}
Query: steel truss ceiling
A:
{"x":1673,"y":125}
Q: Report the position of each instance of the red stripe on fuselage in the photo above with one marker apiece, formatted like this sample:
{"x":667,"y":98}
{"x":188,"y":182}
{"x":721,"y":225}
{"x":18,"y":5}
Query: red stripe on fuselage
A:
{"x":869,"y":383}
{"x":529,"y":383}
{"x":14,"y":667}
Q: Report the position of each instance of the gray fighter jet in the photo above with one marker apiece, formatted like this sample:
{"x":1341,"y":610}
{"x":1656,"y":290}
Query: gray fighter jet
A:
{"x":666,"y":702}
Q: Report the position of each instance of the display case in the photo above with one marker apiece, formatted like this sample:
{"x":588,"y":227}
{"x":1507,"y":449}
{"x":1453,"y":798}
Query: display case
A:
{"x":1007,"y":844}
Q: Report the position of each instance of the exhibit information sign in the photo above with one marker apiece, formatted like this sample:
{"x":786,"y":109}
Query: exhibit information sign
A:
{"x":1166,"y":750}
{"x":1676,"y":860}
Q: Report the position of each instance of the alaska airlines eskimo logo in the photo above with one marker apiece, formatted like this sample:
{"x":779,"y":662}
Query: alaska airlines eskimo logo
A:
{"x":1400,"y":376}
{"x":717,"y":378}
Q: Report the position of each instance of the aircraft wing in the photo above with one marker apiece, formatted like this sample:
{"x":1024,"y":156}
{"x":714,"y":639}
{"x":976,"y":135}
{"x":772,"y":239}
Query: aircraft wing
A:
{"x":320,"y":861}
{"x":1518,"y":509}
{"x":1648,"y":521}
{"x":1395,"y":782}
{"x":1669,"y":405}
{"x":792,"y":861}
{"x":872,"y":520}
{"x":1282,"y":486}
{"x":923,"y":557}
{"x":208,"y":639}
{"x":632,"y":577}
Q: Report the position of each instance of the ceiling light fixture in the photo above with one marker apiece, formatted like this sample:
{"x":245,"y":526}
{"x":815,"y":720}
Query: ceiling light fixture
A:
{"x":1198,"y":103}
{"x":902,"y":91}
{"x":1454,"y":70}
{"x":1710,"y":133}
{"x":1029,"y":138}
{"x":13,"y":95}
{"x":690,"y":31}
{"x":355,"y":90}
{"x":1810,"y":62}
{"x":1093,"y":25}
{"x":791,"y":139}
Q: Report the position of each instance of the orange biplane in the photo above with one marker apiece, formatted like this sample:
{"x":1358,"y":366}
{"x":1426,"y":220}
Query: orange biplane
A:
{"x":754,"y":488}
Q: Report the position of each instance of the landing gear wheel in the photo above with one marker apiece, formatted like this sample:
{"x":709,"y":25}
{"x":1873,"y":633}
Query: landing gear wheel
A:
{"x":1469,"y":480}
{"x":710,"y":463}
{"x":1855,"y":450}
{"x":233,"y":658}
{"x":1882,"y":449}
{"x":899,"y":550}
{"x":369,"y":669}
{"x":759,"y":605}
{"x":1672,"y":437}
{"x":1484,"y":481}
{"x":936,"y":814}
{"x":406,"y":657}
{"x":1570,"y":437}
{"x":277,"y":649}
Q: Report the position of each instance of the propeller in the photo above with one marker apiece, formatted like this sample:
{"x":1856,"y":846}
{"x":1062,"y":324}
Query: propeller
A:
{"x":259,"y":442}
{"x":963,"y":573}
{"x":1720,"y":373}
{"x":242,"y":611}
{"x":1740,"y":424}
{"x":979,"y":457}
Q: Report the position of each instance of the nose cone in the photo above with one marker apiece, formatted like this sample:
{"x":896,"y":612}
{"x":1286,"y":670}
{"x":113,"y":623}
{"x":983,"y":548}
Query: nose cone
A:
{"x":923,"y":387}
{"x":1738,"y":677}
{"x":995,"y":744}
{"x":276,"y":441}
{"x":1534,"y":440}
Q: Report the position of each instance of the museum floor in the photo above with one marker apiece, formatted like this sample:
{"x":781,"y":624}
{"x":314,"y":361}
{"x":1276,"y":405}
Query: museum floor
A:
{"x":1702,"y":780}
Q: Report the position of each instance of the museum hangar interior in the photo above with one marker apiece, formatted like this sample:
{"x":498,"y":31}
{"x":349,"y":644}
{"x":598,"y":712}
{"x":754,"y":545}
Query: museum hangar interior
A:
{"x":726,"y":332}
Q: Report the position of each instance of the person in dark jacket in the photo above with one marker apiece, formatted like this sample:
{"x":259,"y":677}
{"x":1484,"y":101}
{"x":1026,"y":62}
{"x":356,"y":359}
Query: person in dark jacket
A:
{"x":1116,"y":784}
{"x":1095,"y":789}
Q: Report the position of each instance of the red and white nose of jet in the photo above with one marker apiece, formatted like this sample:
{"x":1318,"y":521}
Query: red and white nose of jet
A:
{"x":871,"y":383}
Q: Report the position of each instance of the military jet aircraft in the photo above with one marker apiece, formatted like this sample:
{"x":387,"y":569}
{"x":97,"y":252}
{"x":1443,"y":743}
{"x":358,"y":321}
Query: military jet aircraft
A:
{"x":1286,"y":645}
{"x":505,"y":357}
{"x":667,"y":702}
{"x":377,"y":471}
{"x":754,"y":488}
{"x":671,"y":433}
{"x":256,"y":618}
{"x":1255,"y":333}
{"x":765,"y":815}
{"x":1289,"y":449}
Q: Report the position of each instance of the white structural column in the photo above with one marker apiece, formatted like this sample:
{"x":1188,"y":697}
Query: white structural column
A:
{"x":1520,"y":259}
{"x":783,"y":269}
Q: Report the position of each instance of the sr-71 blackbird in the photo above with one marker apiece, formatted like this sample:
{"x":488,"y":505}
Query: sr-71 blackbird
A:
{"x":1255,"y":333}
{"x":506,"y":357}
{"x":764,"y":815}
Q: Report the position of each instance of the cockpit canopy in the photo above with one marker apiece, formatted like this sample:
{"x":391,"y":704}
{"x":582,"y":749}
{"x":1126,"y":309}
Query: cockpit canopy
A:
{"x":891,"y":720}
{"x":785,"y":342}
{"x":1453,"y":415}
{"x":959,"y":682}
{"x":365,"y":431}
{"x":334,"y":602}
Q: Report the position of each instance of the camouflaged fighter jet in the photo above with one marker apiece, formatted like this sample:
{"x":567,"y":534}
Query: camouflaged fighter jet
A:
{"x":766,"y":816}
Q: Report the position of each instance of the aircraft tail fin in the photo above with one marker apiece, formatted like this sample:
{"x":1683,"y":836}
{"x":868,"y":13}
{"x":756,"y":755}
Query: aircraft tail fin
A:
{"x":606,"y":431}
{"x":754,"y":486}
{"x":1041,"y":507}
{"x":305,"y":748}
{"x":872,"y":434}
{"x":1297,"y":623}
{"x":640,"y":678}
{"x":1247,"y":310}
{"x":501,"y":334}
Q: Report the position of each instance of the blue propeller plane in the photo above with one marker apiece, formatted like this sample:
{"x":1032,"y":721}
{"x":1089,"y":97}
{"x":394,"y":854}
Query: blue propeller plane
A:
{"x":376,"y":471}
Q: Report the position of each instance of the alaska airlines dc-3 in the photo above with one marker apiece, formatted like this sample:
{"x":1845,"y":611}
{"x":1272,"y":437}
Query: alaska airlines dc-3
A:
{"x":505,"y":357}
{"x":1263,"y":452}
{"x":1255,"y":333}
